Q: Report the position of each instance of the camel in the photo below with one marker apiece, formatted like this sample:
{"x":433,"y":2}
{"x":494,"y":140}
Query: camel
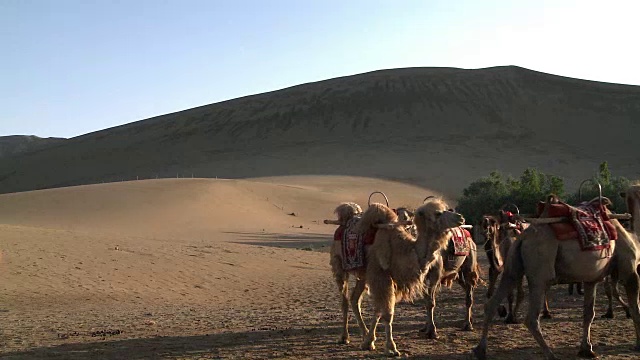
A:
{"x":499,"y":237}
{"x":397,"y":263}
{"x":632,"y":197}
{"x":451,"y":265}
{"x":347,"y":212}
{"x":545,"y":260}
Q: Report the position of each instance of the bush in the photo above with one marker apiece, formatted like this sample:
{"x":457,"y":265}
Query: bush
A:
{"x":488,"y":194}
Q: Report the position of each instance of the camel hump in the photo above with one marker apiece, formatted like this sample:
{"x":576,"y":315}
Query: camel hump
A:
{"x":376,"y":214}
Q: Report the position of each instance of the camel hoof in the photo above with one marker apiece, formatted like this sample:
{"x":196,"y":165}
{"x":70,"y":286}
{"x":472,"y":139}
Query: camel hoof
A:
{"x":432,"y":334}
{"x":467,"y":327}
{"x":546,"y":315}
{"x":393,"y":353}
{"x":344,"y":341}
{"x":502,"y":311}
{"x":510,"y":319}
{"x":587,"y":354}
{"x":368,"y":345}
{"x":479,"y":353}
{"x":608,"y":315}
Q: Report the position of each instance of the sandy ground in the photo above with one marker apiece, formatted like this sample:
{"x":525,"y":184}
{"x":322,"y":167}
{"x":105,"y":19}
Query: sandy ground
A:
{"x":190,"y":269}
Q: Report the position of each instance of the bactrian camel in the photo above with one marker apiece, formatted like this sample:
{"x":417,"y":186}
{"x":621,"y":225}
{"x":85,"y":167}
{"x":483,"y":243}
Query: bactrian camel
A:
{"x":632,"y":198}
{"x":347,"y":212}
{"x":451,"y":265}
{"x":545,"y":260}
{"x":397,"y":262}
{"x":499,"y":236}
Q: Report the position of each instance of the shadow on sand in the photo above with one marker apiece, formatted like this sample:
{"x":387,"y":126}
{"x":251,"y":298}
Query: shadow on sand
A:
{"x":269,"y":344}
{"x":290,"y":343}
{"x":311,"y":241}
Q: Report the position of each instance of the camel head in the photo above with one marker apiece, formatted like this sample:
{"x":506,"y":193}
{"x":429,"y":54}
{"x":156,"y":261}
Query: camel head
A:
{"x":404,"y":214}
{"x":490,"y":228}
{"x":435,"y":215}
{"x":632,"y":198}
{"x":346,"y":211}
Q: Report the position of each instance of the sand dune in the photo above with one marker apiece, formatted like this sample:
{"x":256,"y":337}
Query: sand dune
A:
{"x":160,"y":244}
{"x":173,"y":239}
{"x":197,"y":208}
{"x":434,"y":127}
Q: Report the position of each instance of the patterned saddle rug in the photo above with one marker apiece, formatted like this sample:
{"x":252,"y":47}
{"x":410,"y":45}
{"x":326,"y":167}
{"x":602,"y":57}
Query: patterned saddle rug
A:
{"x":353,"y":244}
{"x":459,"y":243}
{"x":588,"y":222}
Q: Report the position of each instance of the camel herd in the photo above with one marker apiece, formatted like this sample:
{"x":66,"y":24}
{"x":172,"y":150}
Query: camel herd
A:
{"x":405,"y":255}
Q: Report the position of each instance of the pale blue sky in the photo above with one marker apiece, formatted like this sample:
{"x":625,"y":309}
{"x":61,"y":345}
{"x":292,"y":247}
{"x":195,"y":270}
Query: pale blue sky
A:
{"x":71,"y":67}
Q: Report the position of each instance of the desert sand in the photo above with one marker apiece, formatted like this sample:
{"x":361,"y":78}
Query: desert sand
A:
{"x":233,"y":269}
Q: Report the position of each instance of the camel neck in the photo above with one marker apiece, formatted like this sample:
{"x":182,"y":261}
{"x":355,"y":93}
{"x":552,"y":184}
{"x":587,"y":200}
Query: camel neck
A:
{"x":429,"y":243}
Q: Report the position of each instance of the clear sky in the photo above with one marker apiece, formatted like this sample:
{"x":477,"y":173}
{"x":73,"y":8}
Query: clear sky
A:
{"x":69,"y":67}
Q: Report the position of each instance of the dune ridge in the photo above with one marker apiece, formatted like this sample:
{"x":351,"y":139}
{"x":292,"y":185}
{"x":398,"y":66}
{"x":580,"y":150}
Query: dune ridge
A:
{"x":413,"y":125}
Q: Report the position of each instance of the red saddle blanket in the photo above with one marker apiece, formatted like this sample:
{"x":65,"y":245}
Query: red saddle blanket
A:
{"x":353,"y":244}
{"x":459,"y":243}
{"x":588,"y":223}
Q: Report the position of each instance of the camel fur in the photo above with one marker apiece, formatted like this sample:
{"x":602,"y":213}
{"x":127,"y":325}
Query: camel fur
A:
{"x":545,"y":261}
{"x":398,"y":263}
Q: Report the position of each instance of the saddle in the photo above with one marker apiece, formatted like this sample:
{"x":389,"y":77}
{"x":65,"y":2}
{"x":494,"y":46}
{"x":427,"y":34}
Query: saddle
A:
{"x":354,"y":243}
{"x":588,"y":222}
{"x":459,"y":244}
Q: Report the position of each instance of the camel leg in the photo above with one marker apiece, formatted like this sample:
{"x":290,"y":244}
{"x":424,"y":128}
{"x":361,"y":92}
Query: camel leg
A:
{"x":546,"y":314}
{"x":433,"y":277}
{"x":356,"y":300}
{"x":384,"y":300}
{"x":537,"y":299}
{"x":589,"y":312}
{"x":579,"y":288}
{"x":570,"y":288}
{"x":632,"y":285}
{"x":493,"y":279}
{"x":342,"y":279}
{"x":490,"y":309}
{"x":369,"y":342}
{"x":390,"y":345}
{"x":468,"y":289}
{"x":616,"y":294}
{"x":512,"y":316}
{"x":611,"y":289}
{"x":608,"y":292}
